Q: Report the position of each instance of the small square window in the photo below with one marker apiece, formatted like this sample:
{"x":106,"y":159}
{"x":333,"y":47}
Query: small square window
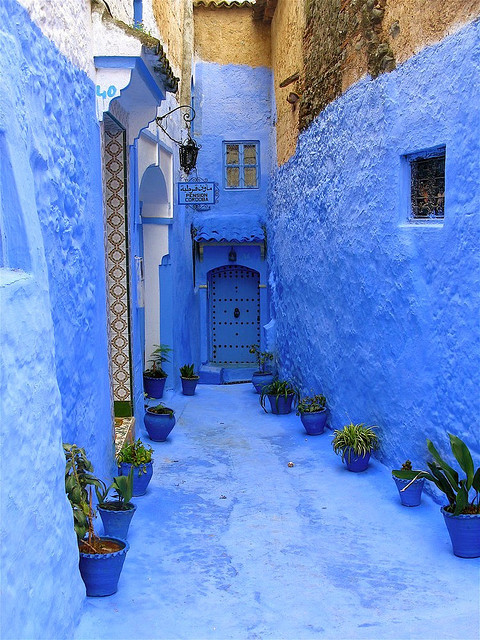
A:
{"x":427,"y":186}
{"x":241,"y":165}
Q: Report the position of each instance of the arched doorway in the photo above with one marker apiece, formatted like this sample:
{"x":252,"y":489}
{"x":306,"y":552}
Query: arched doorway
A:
{"x":234,"y":312}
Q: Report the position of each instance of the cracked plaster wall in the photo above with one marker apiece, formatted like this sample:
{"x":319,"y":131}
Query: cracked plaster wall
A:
{"x":381,"y":315}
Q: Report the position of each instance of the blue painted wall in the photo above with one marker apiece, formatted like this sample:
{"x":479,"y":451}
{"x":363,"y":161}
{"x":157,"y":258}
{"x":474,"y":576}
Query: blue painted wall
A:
{"x":380,"y":315}
{"x":54,"y":368}
{"x":233,"y":103}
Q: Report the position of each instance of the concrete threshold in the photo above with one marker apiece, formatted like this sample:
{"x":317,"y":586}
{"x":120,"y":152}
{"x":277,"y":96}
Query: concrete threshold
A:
{"x":231,"y":543}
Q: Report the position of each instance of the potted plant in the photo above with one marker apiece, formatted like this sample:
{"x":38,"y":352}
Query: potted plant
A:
{"x":313,"y":414}
{"x":355,"y":443}
{"x":462,"y":513}
{"x":154,"y":378}
{"x":117,"y":514}
{"x":410,"y":492}
{"x":281,"y":394}
{"x":159,"y":421}
{"x":101,"y":558}
{"x":135,"y":454}
{"x":261,"y":377}
{"x":189,"y":379}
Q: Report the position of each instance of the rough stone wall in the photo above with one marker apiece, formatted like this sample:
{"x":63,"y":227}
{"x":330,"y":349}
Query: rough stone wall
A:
{"x":287,"y":59}
{"x":231,"y":36}
{"x":379,"y":314}
{"x":170,"y":20}
{"x":54,"y":373}
{"x":345,"y":39}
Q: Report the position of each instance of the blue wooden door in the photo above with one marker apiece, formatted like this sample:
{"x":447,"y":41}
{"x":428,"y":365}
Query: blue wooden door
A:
{"x":234,"y":314}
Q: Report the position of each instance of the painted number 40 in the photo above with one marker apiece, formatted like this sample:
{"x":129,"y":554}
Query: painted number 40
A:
{"x":110,"y":92}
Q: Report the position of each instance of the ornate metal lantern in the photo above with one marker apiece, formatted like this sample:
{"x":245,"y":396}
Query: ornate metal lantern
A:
{"x":188,"y":150}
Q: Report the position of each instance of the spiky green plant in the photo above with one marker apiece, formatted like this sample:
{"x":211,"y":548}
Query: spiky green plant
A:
{"x":279,"y":389}
{"x":445,"y":478}
{"x":356,"y":438}
{"x":188,"y":371}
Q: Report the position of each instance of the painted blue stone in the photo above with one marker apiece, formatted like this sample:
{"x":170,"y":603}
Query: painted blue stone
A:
{"x":378,"y":313}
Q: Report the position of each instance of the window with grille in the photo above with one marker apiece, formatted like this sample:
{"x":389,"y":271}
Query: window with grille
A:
{"x":427,"y":185}
{"x":241,"y":163}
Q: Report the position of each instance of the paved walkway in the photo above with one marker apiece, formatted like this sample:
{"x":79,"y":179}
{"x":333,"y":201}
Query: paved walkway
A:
{"x":230,"y":542}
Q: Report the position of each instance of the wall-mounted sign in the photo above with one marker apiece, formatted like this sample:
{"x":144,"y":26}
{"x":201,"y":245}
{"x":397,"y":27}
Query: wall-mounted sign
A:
{"x":196,"y":193}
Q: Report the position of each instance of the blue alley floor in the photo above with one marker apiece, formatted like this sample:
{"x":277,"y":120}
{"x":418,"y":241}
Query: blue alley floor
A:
{"x":230,"y":542}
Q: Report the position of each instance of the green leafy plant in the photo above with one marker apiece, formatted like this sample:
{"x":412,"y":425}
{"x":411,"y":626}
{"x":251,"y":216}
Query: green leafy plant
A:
{"x":354,"y":438}
{"x":463,"y":495}
{"x":122,"y":487}
{"x":79,"y":479}
{"x":137,"y":454}
{"x":262,"y":357}
{"x":161,"y":409}
{"x":311,"y":404}
{"x":279,"y":389}
{"x":158,"y":357}
{"x":188,"y":371}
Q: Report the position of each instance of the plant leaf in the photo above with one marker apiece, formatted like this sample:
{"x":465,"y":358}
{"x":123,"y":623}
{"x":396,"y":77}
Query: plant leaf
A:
{"x":450,"y":473}
{"x":476,"y":480}
{"x":463,"y":456}
{"x":442,"y":482}
{"x":462,"y":500}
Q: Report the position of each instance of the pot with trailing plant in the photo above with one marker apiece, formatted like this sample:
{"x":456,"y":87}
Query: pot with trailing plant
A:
{"x":101,"y":558}
{"x":281,"y":395}
{"x":189,"y":379}
{"x":313,"y":414}
{"x":154,"y":378}
{"x":410,"y":492}
{"x":135,"y":454}
{"x":117,"y":514}
{"x":159,"y":421}
{"x":462,"y":513}
{"x":355,"y":443}
{"x":262,"y":376}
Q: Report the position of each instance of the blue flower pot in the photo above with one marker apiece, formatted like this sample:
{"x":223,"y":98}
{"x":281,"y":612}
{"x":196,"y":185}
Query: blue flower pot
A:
{"x":314,"y":422}
{"x":116,"y":523}
{"x":189,"y":385}
{"x":158,"y":425}
{"x":412,"y":496}
{"x":464,"y":531}
{"x":154,"y":387}
{"x":259,"y":380}
{"x":141,"y":476}
{"x":356,"y":463}
{"x":101,"y":571}
{"x":280,"y":405}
